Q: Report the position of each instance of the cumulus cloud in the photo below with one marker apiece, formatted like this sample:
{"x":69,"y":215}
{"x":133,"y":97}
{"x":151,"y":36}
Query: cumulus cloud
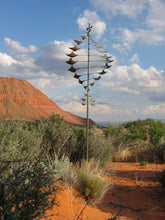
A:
{"x":52,"y":57}
{"x":114,"y":7}
{"x":135,"y":58}
{"x":152,"y":30}
{"x":41,"y":62}
{"x":103,"y":112}
{"x":156,"y":15}
{"x":154,"y":110}
{"x":128,"y":38}
{"x":46,"y":69}
{"x":134,"y":80}
{"x":99,"y":26}
{"x":6,"y":60}
{"x":99,"y":112}
{"x":17,"y":50}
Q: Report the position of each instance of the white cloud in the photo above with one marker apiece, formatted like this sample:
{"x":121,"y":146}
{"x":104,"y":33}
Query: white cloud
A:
{"x":47,"y":71}
{"x":154,"y":110}
{"x":114,"y":7}
{"x":134,"y":80}
{"x":32,"y":62}
{"x":99,"y":112}
{"x":19,"y":52}
{"x":52,"y":57}
{"x":135,"y":58}
{"x":45,"y":68}
{"x":6,"y":60}
{"x":156,"y":16}
{"x":150,"y":31}
{"x":99,"y":26}
{"x":128,"y":91}
{"x":103,"y":112}
{"x":128,"y":38}
{"x":119,"y":47}
{"x":74,"y":107}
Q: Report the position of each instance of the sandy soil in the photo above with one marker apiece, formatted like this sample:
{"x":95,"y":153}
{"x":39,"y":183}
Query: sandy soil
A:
{"x":135,"y":187}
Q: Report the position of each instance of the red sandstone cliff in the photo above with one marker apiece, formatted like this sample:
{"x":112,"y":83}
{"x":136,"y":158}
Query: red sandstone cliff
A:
{"x":19,"y":100}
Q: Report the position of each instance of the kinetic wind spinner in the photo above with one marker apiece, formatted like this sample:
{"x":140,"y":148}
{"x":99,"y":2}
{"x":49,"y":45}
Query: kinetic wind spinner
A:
{"x":94,"y":63}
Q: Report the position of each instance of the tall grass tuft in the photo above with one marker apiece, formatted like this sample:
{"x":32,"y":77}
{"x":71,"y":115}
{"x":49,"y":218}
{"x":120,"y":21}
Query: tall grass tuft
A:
{"x":91,"y":181}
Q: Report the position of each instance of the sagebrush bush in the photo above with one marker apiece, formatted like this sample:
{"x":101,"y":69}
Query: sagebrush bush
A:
{"x":26,"y":190}
{"x":17,"y":141}
{"x":100,"y":147}
{"x":63,"y":169}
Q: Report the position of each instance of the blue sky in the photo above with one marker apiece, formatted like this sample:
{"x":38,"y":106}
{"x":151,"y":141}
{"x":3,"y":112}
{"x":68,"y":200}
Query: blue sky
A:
{"x":35,"y":36}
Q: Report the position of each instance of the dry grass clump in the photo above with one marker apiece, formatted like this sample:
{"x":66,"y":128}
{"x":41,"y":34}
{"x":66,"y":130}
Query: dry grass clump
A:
{"x":91,"y":180}
{"x":93,"y":168}
{"x":88,"y":177}
{"x":123,"y":154}
{"x":132,"y":151}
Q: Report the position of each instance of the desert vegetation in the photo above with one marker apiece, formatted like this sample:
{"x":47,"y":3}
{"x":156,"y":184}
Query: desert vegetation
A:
{"x":35,"y":155}
{"x":136,"y":141}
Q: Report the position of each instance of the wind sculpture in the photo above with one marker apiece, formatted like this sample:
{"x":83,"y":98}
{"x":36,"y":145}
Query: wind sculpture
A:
{"x":87,"y":80}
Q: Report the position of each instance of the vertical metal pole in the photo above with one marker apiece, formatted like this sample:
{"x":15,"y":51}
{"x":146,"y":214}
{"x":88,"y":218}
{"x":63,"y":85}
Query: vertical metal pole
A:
{"x":87,"y":122}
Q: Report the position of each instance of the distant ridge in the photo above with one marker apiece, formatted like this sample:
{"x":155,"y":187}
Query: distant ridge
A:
{"x":19,"y":100}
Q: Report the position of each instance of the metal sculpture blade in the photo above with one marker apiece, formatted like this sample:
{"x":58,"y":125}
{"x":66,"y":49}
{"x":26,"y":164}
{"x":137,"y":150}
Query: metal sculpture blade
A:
{"x":71,"y":62}
{"x":72,"y":55}
{"x":79,"y":41}
{"x":72,"y":69}
{"x":76,"y":76}
{"x":75,"y":48}
{"x":102,"y":72}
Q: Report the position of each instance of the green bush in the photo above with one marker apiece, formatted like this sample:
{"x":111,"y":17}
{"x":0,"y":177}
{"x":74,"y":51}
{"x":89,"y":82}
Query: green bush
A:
{"x":18,"y":141}
{"x":100,"y":147}
{"x":156,"y":132}
{"x":143,"y":163}
{"x":25,"y":190}
{"x":63,"y":169}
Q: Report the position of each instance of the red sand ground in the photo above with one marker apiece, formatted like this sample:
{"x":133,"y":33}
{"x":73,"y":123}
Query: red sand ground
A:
{"x":136,"y":185}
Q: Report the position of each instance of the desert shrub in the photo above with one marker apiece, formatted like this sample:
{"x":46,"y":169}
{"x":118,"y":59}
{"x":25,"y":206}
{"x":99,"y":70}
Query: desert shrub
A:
{"x":100,"y":147}
{"x":135,"y":130}
{"x":112,"y":130}
{"x":18,"y":141}
{"x":53,"y":137}
{"x":137,"y":140}
{"x":77,"y":144}
{"x":63,"y":169}
{"x":123,"y":154}
{"x":25,"y":190}
{"x":56,"y":135}
{"x":138,"y":150}
{"x":156,"y":132}
{"x":60,"y":138}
